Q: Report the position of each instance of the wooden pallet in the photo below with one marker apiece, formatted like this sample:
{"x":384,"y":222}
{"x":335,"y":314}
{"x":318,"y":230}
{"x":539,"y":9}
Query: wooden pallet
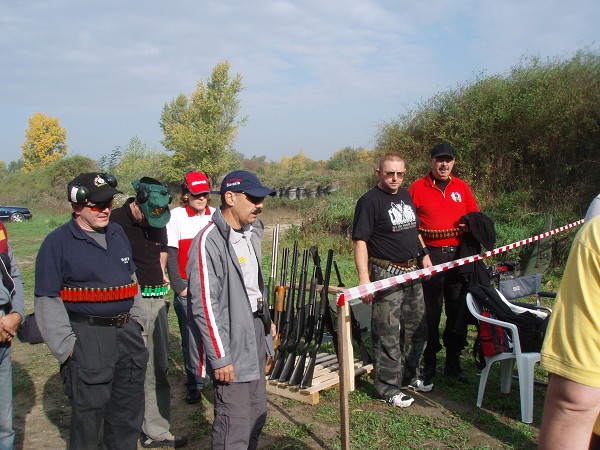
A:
{"x":326,"y":376}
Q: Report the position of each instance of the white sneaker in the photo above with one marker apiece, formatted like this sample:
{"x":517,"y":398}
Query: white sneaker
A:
{"x":419,"y":386}
{"x":401,"y":400}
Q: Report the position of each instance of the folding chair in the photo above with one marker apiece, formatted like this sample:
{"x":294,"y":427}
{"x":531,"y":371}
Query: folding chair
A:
{"x":515,"y":288}
{"x":525,"y":360}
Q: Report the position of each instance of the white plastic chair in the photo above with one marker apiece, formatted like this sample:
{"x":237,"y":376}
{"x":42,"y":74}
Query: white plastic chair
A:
{"x":525,"y":361}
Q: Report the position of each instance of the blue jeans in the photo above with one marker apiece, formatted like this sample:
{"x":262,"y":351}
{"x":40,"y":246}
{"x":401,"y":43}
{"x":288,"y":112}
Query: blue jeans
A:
{"x":180,"y":306}
{"x":7,"y":434}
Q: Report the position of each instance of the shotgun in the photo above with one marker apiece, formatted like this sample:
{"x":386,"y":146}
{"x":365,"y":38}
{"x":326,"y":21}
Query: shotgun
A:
{"x":328,"y":319}
{"x":292,"y":346}
{"x":288,"y":319}
{"x":273,"y":274}
{"x":308,"y":335}
{"x":357,"y":331}
{"x":280,"y":297}
{"x":312,"y":360}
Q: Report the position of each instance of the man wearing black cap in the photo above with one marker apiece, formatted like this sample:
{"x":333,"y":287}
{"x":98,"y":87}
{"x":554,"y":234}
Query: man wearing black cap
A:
{"x":229,"y":319}
{"x":88,"y":311}
{"x":441,"y":200}
{"x":186,"y":221}
{"x":144,"y":218}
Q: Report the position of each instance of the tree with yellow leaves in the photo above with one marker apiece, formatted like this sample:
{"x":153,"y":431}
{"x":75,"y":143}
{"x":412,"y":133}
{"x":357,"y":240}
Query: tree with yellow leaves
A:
{"x":45,"y":141}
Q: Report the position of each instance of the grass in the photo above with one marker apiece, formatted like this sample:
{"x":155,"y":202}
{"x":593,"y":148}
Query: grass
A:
{"x":447,"y":418}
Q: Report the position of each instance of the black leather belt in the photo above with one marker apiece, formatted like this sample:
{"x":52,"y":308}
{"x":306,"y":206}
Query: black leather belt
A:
{"x":443,"y":249}
{"x":100,"y":321}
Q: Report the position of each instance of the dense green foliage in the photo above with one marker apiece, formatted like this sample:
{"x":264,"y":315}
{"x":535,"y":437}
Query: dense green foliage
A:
{"x":200,"y":130}
{"x":533,"y":131}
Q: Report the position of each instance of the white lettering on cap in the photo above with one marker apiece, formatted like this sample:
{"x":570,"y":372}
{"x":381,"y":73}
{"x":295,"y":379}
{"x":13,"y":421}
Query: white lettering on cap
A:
{"x":194,"y":183}
{"x":233,"y":183}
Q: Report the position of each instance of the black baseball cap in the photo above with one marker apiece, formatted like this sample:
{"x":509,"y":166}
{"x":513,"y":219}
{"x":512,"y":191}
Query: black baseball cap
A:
{"x":442,"y":149}
{"x":101,"y":187}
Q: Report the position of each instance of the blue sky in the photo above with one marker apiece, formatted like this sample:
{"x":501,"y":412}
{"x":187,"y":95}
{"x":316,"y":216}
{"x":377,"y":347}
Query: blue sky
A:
{"x":318,"y":75}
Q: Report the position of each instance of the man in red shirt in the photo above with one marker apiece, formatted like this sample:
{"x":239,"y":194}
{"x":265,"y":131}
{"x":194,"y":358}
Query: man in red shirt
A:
{"x":441,"y":200}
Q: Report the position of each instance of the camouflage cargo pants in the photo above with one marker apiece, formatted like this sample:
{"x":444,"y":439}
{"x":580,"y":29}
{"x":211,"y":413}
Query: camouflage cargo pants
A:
{"x":399,"y":332}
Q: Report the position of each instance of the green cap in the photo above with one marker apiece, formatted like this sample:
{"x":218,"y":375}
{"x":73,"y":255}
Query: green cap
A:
{"x":154,"y":199}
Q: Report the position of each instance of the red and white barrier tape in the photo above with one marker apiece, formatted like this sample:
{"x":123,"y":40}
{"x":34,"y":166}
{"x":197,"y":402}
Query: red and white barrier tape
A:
{"x":364,"y":289}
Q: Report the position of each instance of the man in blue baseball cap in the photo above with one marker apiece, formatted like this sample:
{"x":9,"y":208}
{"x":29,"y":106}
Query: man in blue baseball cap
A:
{"x":231,"y":325}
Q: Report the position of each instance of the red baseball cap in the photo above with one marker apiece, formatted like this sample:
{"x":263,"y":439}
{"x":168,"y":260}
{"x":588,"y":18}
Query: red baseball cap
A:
{"x":197,"y":183}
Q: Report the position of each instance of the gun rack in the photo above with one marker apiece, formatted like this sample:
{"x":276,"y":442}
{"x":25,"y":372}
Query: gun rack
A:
{"x":326,"y":376}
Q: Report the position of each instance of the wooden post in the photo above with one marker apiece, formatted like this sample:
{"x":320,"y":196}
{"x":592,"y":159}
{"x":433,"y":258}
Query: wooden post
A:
{"x":346,"y":370}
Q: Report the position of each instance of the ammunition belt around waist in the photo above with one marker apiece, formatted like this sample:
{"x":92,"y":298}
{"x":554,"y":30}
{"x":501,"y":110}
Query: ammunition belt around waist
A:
{"x":154,"y":291}
{"x":111,"y":294}
{"x":395,"y":268}
{"x":441,"y":234}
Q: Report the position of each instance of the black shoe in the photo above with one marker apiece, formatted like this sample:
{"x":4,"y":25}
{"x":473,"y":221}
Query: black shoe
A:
{"x":171,"y":441}
{"x":455,"y":371}
{"x":428,"y":372}
{"x":193,"y":396}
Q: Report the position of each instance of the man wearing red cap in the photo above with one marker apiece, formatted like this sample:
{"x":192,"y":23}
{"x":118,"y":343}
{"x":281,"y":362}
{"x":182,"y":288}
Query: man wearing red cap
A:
{"x":185,"y":223}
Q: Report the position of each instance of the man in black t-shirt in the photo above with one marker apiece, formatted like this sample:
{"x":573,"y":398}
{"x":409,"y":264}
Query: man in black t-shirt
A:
{"x":387,"y":243}
{"x":144,"y":219}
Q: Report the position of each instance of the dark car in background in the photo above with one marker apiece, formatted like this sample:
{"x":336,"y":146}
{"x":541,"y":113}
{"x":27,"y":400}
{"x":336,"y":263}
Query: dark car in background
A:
{"x":14,"y":213}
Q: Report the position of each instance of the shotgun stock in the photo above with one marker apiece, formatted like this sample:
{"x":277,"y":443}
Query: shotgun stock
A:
{"x":280,"y":297}
{"x":308,"y":335}
{"x":292,"y":346}
{"x":357,"y":331}
{"x":288,"y":319}
{"x":312,"y":360}
{"x":273,"y":275}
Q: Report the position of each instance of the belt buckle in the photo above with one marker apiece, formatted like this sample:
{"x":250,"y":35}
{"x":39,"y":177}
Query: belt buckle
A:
{"x":122,"y":320}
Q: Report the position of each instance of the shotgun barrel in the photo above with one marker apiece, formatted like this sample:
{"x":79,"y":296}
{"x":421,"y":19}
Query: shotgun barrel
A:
{"x":309,"y":330}
{"x":323,"y":306}
{"x":288,"y":319}
{"x":279,"y":304}
{"x":271,"y":294}
{"x":292,"y":346}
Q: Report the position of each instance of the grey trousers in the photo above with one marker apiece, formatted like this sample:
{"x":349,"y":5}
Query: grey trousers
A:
{"x":241,"y":408}
{"x":157,"y":391}
{"x":399,"y":332}
{"x":104,"y":378}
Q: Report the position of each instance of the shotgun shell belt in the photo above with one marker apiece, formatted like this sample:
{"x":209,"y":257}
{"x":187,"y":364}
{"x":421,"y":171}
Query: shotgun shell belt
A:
{"x":395,"y":268}
{"x":98,"y":294}
{"x":441,"y":234}
{"x":154,"y":291}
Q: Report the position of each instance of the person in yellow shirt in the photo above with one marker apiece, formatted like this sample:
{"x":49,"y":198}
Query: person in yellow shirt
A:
{"x":571,"y":351}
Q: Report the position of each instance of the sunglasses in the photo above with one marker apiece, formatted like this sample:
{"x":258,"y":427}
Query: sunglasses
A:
{"x":101,"y":206}
{"x":252,"y":199}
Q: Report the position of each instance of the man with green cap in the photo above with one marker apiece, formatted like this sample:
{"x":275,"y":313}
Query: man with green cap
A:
{"x":144,"y":219}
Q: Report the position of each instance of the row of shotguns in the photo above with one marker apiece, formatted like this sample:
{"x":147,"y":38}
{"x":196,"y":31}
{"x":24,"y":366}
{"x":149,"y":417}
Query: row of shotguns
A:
{"x":300,"y":323}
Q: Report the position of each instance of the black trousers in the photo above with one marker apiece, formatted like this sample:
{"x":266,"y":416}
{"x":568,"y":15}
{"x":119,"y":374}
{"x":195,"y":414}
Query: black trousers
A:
{"x":104,"y":378}
{"x":444,"y":289}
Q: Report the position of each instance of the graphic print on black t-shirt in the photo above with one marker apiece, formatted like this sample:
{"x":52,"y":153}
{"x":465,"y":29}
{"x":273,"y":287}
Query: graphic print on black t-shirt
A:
{"x":402,"y":216}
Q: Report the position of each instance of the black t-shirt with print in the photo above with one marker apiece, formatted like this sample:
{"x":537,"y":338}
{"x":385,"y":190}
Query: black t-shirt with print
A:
{"x":388,"y":224}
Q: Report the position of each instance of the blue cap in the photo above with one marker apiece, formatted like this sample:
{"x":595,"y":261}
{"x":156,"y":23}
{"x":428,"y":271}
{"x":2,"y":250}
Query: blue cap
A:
{"x":243,"y":181}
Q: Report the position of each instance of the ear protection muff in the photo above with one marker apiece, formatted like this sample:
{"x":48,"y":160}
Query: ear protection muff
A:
{"x":77,"y":193}
{"x":142,"y":193}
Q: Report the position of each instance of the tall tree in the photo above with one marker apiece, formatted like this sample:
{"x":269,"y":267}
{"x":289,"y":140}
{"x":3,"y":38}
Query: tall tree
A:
{"x":201,"y":129}
{"x":45,"y":141}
